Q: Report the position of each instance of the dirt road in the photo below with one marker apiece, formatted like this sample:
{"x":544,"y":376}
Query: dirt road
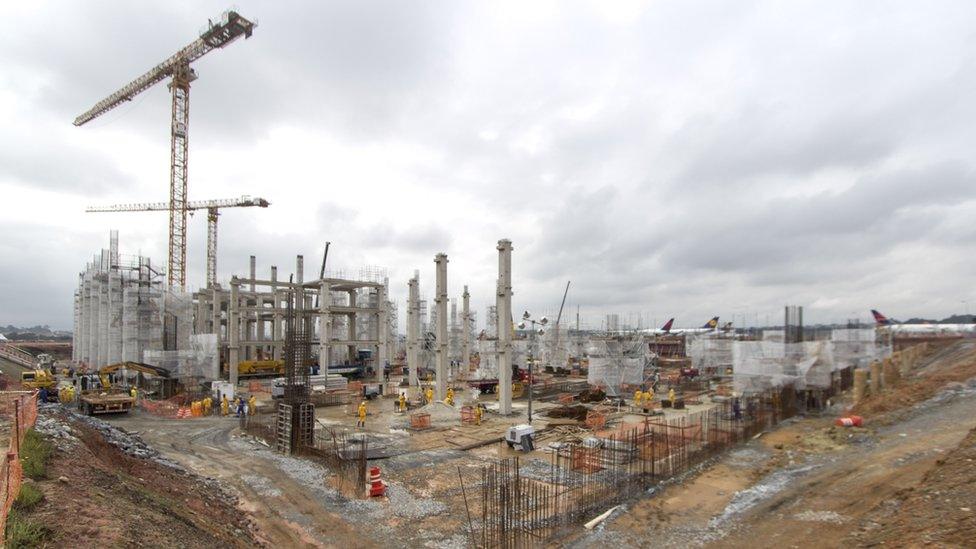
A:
{"x":286,"y":497}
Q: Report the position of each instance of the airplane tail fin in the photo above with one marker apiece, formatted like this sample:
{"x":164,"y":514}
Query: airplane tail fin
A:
{"x":667,"y":326}
{"x":880,"y":319}
{"x":711,"y":324}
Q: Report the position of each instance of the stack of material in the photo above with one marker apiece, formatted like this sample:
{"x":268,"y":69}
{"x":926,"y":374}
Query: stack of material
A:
{"x":328,"y":382}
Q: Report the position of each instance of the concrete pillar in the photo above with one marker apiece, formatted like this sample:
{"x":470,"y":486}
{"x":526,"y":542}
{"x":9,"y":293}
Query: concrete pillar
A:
{"x":114,"y":353}
{"x":860,"y":384}
{"x":891,"y":373}
{"x":93,"y":321}
{"x":382,"y":329}
{"x":465,"y":330}
{"x":441,"y":351}
{"x":215,"y":298}
{"x":413,"y":329}
{"x":876,"y":384}
{"x":254,"y":271}
{"x":353,"y":329}
{"x":325,"y":326}
{"x":503,"y":306}
{"x":234,"y":330}
{"x":276,"y":338}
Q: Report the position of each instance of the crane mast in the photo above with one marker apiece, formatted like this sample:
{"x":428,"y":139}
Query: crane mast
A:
{"x":230,"y":27}
{"x":212,"y":207}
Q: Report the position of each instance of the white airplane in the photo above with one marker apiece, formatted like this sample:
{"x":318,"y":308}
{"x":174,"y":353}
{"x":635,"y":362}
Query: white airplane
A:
{"x":710,"y":326}
{"x":881,"y":321}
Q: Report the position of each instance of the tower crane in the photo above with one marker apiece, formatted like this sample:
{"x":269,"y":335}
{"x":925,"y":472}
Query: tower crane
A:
{"x":230,"y":27}
{"x":212,"y":207}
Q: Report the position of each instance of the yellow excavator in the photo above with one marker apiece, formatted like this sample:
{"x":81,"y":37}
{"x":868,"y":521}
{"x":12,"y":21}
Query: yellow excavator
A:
{"x":103,"y":373}
{"x":37,"y":379}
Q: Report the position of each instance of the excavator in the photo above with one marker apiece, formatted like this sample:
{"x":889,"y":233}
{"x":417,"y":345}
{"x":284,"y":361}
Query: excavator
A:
{"x":106,"y":402}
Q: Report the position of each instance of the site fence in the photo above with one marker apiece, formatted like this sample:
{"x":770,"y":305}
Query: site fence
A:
{"x":525,"y":504}
{"x":19,"y":409}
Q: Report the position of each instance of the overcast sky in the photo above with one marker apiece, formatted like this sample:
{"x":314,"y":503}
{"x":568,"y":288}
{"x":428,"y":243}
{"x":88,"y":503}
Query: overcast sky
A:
{"x":677,"y":158}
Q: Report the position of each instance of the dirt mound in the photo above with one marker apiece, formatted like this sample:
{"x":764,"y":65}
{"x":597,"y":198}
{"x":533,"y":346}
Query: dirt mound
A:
{"x":574,"y":412}
{"x":952,"y":364}
{"x":98,"y":496}
{"x":941,"y":510}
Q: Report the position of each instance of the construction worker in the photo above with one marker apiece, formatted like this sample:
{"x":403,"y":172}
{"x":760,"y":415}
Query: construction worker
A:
{"x":403,"y":402}
{"x":133,"y":392}
{"x":252,"y":405}
{"x":224,"y":406}
{"x":429,"y":395}
{"x":450,"y":396}
{"x":637,"y":397}
{"x":648,"y":399}
{"x":671,"y":396}
{"x":240,"y":407}
{"x":362,"y":415}
{"x":477,"y":414}
{"x":207,"y":406}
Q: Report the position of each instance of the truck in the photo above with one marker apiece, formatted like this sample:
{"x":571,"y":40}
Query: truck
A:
{"x":261,"y":367}
{"x":105,"y":403}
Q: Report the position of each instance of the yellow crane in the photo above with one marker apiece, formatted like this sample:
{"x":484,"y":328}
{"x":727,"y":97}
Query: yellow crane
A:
{"x":212,"y":207}
{"x":230,"y":27}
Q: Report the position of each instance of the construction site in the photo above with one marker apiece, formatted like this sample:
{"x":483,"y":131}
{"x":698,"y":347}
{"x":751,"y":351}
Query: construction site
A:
{"x":300,"y":405}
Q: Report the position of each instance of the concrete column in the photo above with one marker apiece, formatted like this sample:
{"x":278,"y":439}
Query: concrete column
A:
{"x":254,"y":264}
{"x":353,"y":329}
{"x":441,"y":351}
{"x":234,"y":330}
{"x":860,"y":384}
{"x":503,"y":306}
{"x":325,"y":326}
{"x":114,"y":353}
{"x":382,"y":329}
{"x":93,"y":321}
{"x":876,"y":384}
{"x":276,"y":339}
{"x":413,"y":328}
{"x":465,"y":330}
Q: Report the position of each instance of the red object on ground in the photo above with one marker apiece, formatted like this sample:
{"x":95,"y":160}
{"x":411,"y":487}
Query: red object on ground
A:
{"x":376,"y":485}
{"x":853,"y":421}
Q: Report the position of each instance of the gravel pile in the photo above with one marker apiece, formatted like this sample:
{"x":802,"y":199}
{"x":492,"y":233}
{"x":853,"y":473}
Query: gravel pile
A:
{"x":58,"y":431}
{"x":406,"y":505}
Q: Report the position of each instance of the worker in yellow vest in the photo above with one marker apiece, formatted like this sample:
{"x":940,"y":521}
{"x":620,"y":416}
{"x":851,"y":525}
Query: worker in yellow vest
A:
{"x":429,"y":395}
{"x":207,"y":405}
{"x":648,"y":399}
{"x":450,"y":396}
{"x":134,"y":393}
{"x":403,"y":402}
{"x":362,"y":415}
{"x":477,"y":414}
{"x":671,"y":396}
{"x":637,"y":398}
{"x":224,"y":406}
{"x":252,"y":405}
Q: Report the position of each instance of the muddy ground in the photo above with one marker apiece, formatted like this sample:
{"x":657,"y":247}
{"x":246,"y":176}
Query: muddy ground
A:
{"x":906,"y":479}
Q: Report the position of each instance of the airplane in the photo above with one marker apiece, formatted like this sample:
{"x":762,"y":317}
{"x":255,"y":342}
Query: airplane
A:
{"x":710,"y":326}
{"x":881,"y":321}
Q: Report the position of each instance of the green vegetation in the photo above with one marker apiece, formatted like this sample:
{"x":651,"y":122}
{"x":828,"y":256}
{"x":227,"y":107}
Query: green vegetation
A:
{"x":34,"y":454}
{"x":28,"y":497}
{"x":24,"y":532}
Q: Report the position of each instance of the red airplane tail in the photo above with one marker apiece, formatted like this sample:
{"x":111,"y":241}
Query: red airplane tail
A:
{"x":667,"y":326}
{"x":880,"y":319}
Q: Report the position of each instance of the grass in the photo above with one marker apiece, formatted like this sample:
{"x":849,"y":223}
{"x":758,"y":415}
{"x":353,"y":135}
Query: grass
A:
{"x":24,"y":532}
{"x":28,"y":497}
{"x":34,"y":454}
